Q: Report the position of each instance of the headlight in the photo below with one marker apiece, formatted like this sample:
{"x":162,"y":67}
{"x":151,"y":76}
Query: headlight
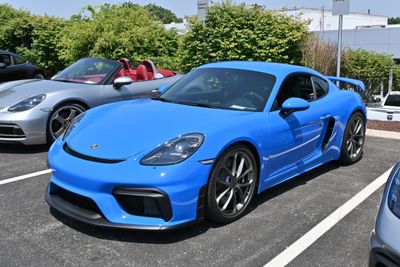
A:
{"x":75,"y":121}
{"x":394,"y":194}
{"x":174,"y":151}
{"x":28,"y":103}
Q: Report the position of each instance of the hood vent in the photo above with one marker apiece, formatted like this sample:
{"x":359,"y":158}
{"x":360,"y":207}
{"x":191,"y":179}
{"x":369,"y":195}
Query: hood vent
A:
{"x":74,"y":153}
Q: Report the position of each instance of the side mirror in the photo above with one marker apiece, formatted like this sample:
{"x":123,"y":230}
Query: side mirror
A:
{"x":293,"y":104}
{"x":121,"y":81}
{"x":377,"y":100}
{"x":3,"y":65}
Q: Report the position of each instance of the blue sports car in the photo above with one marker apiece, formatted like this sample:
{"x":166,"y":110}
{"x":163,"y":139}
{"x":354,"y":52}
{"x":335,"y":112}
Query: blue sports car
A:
{"x":204,"y":147}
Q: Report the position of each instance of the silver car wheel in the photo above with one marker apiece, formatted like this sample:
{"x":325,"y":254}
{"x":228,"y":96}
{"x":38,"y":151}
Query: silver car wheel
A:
{"x":355,"y":139}
{"x":61,"y":118}
{"x":235,"y":184}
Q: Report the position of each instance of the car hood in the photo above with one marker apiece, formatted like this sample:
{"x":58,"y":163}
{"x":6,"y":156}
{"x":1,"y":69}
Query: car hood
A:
{"x":134,"y":128}
{"x":13,"y":92}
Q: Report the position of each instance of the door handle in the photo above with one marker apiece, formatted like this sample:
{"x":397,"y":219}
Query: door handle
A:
{"x":325,"y":116}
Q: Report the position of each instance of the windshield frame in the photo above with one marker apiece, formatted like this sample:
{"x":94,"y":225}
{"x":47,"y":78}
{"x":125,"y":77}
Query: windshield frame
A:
{"x":107,"y":78}
{"x":261,"y":107}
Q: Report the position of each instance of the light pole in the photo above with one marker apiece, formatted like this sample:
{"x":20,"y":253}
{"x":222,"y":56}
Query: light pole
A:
{"x":339,"y":52}
{"x":340,"y":7}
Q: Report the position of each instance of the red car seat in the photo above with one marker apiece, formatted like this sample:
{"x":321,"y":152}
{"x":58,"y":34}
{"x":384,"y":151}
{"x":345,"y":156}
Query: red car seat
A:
{"x":141,"y":73}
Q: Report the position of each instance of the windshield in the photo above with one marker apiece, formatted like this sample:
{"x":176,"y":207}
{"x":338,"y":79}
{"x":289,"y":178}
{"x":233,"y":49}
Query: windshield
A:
{"x":89,"y":71}
{"x":393,"y":100}
{"x":222,"y":88}
{"x":394,"y":194}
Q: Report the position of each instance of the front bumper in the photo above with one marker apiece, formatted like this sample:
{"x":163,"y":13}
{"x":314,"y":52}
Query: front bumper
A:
{"x":97,"y":219}
{"x":27,"y":127}
{"x":380,"y":255}
{"x":177,"y":192}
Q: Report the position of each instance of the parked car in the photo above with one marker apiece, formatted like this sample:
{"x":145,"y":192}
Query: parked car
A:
{"x":220,"y":135}
{"x":15,"y":67}
{"x":38,"y":111}
{"x":385,"y":242}
{"x":388,"y":111}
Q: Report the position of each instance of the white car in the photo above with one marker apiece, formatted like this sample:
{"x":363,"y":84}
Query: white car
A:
{"x":389,"y":111}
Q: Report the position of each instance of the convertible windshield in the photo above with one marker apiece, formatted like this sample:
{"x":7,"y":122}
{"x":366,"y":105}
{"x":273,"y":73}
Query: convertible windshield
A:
{"x":223,"y":89}
{"x":88,"y":70}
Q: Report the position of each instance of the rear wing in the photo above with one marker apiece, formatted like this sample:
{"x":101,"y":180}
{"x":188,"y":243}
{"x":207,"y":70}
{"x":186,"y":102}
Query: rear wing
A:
{"x":350,"y":81}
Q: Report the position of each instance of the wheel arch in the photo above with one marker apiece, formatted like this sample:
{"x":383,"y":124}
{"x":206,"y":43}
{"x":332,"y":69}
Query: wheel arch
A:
{"x":59,"y":104}
{"x":71,"y":100}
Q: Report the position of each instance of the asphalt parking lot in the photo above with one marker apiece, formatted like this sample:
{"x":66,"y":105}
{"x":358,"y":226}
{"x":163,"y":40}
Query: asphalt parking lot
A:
{"x":31,"y":235}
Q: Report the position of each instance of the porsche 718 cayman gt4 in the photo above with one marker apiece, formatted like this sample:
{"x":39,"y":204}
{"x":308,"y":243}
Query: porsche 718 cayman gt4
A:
{"x":204,"y":147}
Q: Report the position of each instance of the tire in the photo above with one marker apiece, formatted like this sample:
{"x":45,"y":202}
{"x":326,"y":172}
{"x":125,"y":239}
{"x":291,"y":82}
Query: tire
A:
{"x":229,"y":198}
{"x":39,"y":75}
{"x":353,"y":139}
{"x":60,"y":118}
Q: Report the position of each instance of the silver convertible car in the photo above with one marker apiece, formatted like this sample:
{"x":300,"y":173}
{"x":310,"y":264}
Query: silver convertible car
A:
{"x":38,"y":111}
{"x":385,"y":239}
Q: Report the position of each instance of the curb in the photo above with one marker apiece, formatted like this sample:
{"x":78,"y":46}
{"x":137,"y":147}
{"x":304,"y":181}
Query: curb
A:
{"x":383,"y":134}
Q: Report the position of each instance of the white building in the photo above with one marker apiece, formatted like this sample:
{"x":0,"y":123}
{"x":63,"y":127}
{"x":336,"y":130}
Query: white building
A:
{"x":323,"y":20}
{"x":180,"y":28}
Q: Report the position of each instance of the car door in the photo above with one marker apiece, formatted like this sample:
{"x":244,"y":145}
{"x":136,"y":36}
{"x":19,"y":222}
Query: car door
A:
{"x":6,"y":72}
{"x":20,"y":68}
{"x":294,"y":138}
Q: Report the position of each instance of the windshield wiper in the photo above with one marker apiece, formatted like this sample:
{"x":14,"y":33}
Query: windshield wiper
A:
{"x":158,"y":98}
{"x":197,"y":104}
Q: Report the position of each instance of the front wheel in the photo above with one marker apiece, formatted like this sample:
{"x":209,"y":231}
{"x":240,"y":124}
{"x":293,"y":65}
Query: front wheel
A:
{"x":232,"y":184}
{"x":353,"y":139}
{"x":60,"y":118}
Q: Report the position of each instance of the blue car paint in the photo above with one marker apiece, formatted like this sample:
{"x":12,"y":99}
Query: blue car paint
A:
{"x":350,"y":81}
{"x":286,"y":147}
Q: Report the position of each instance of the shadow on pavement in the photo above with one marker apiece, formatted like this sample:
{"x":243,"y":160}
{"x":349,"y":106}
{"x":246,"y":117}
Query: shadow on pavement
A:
{"x":22,"y":149}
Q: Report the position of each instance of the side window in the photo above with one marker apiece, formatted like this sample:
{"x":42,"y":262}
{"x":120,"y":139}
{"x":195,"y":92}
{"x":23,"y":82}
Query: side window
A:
{"x":5,"y":59}
{"x":320,"y":86}
{"x":297,"y":86}
{"x":19,"y":60}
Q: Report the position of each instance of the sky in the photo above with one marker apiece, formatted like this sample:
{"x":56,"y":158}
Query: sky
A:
{"x":66,"y":8}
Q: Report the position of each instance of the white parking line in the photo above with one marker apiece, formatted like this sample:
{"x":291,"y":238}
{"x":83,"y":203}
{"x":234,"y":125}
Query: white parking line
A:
{"x":290,"y":253}
{"x":23,"y":177}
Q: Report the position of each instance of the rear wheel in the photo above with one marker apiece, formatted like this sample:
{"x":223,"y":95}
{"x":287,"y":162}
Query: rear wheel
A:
{"x":60,"y":118}
{"x":232,"y":184}
{"x":353,"y":139}
{"x":38,"y":75}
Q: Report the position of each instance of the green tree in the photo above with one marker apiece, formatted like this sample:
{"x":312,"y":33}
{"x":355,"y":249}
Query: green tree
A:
{"x":396,"y":75}
{"x":162,"y":14}
{"x":44,"y":47}
{"x":237,"y":32}
{"x":394,"y":20}
{"x":117,"y":31}
{"x":16,"y":28}
{"x":370,"y":67}
{"x":34,"y":37}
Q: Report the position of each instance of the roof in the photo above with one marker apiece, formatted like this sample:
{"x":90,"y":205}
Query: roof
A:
{"x":277,"y":69}
{"x":8,"y":52}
